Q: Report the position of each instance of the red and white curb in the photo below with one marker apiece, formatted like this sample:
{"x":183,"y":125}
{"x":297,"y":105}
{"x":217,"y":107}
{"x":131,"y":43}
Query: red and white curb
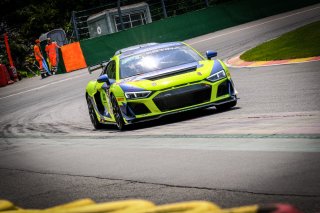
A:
{"x":237,"y":62}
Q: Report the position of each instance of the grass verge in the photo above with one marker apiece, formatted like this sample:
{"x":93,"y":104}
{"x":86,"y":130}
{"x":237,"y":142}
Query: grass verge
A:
{"x":26,"y":74}
{"x":300,"y":43}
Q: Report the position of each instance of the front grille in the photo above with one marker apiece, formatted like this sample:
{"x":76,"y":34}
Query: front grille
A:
{"x":138,"y":108}
{"x":183,"y":97}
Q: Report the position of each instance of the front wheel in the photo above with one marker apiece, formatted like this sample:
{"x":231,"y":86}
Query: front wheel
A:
{"x":117,"y":113}
{"x":93,"y":117}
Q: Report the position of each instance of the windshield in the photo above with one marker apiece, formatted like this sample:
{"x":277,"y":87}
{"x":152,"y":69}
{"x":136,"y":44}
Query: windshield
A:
{"x":156,"y":60}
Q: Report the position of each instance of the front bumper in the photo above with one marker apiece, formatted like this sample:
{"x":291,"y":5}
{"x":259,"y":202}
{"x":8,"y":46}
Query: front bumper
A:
{"x":178,"y":99}
{"x":149,"y":118}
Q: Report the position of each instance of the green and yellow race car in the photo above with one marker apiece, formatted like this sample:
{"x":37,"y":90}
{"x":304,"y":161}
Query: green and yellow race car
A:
{"x":145,"y":82}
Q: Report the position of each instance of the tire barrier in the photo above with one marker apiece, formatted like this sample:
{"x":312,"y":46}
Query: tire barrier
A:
{"x":143,"y":206}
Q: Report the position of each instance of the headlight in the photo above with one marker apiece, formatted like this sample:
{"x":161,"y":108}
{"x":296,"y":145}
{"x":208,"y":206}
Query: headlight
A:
{"x":217,"y":76}
{"x":135,"y":95}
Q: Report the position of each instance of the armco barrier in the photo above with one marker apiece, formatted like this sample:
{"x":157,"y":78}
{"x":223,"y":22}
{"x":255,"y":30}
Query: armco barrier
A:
{"x":143,"y":206}
{"x":186,"y":26}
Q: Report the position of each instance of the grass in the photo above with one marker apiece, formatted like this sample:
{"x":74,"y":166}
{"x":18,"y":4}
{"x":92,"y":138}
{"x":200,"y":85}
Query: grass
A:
{"x":25,"y":74}
{"x":300,"y":43}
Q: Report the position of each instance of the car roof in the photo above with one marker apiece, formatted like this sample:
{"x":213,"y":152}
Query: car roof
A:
{"x":144,"y":48}
{"x":134,"y":47}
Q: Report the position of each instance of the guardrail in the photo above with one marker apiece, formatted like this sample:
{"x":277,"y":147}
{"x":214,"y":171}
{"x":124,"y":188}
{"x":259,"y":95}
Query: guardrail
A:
{"x":97,"y":66}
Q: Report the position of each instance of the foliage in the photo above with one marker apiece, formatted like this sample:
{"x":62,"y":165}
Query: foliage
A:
{"x":300,"y":43}
{"x":26,"y":74}
{"x":26,"y":20}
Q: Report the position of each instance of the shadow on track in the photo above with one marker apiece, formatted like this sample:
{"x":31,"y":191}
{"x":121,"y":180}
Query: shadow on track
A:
{"x":170,"y":119}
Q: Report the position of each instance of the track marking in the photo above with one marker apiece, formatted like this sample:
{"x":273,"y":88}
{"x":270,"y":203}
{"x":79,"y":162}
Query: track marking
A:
{"x":256,"y":25}
{"x":238,"y":63}
{"x":37,"y":88}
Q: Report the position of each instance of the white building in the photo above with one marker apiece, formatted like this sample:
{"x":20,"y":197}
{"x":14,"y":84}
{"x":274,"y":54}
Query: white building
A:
{"x":108,"y":21}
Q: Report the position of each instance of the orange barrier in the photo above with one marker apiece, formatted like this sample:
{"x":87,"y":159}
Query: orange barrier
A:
{"x":4,"y":76}
{"x":73,"y":57}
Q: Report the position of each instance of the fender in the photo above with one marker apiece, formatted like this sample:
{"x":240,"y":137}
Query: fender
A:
{"x":93,"y":87}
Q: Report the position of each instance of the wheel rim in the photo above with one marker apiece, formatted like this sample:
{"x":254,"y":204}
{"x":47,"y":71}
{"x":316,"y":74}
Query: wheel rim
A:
{"x":117,"y":113}
{"x":91,"y":113}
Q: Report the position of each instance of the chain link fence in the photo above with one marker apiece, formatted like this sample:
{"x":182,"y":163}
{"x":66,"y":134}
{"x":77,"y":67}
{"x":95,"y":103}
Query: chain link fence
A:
{"x":124,"y":14}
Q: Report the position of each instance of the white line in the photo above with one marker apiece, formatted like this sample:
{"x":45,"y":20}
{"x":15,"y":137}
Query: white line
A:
{"x":256,"y":25}
{"x":30,"y":90}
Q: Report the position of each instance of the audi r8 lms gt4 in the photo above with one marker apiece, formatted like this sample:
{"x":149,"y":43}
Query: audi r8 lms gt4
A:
{"x":148,"y":81}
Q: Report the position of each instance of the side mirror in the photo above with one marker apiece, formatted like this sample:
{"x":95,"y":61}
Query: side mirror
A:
{"x":210,"y":54}
{"x":104,"y":79}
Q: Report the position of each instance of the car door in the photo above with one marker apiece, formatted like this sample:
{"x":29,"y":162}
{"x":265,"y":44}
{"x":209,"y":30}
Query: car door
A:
{"x":104,"y":91}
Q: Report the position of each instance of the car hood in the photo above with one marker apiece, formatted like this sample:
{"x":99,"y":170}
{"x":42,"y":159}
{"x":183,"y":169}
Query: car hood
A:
{"x":171,"y":77}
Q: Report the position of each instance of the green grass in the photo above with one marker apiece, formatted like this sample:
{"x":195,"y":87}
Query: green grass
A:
{"x":300,"y":43}
{"x":25,"y":74}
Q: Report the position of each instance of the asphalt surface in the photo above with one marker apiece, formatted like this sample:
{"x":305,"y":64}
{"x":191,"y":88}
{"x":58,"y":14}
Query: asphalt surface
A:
{"x":265,"y":150}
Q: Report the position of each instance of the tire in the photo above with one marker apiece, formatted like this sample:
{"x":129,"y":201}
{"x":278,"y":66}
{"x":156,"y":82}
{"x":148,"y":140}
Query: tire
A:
{"x":117,"y":113}
{"x":226,"y":106}
{"x":93,"y":117}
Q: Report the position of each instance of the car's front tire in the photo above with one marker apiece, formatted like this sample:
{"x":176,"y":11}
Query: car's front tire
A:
{"x":93,"y":117}
{"x":117,"y":113}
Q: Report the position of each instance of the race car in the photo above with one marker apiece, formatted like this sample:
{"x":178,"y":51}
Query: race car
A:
{"x":148,"y":81}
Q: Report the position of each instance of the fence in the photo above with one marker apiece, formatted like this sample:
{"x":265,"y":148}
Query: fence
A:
{"x":187,"y":25}
{"x":159,"y":9}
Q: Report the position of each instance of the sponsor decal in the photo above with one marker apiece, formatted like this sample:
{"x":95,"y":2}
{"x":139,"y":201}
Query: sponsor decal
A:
{"x":99,"y":31}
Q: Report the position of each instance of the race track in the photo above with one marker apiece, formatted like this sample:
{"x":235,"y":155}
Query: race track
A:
{"x":265,"y":150}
